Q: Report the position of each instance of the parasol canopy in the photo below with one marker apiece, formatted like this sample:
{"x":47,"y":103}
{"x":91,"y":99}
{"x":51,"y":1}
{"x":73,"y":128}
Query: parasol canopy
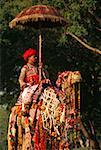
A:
{"x":39,"y":16}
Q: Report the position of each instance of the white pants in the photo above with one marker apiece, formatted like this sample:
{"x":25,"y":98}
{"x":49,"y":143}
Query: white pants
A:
{"x":28,"y":93}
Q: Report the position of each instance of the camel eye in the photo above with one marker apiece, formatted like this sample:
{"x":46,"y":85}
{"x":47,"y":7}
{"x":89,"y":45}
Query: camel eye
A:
{"x":65,"y":77}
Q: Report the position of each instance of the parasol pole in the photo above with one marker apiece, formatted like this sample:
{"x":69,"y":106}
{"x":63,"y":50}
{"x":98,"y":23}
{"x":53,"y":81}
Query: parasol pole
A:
{"x":40,"y":66}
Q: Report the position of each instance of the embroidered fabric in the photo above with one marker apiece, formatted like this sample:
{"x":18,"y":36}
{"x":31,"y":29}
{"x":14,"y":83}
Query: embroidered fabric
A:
{"x":29,"y":74}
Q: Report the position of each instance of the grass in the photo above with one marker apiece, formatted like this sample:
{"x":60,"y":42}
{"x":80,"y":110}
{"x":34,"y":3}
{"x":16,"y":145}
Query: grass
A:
{"x":4,"y":114}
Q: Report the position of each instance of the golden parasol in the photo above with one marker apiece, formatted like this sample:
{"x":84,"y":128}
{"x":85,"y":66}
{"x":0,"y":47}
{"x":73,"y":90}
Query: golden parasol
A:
{"x":39,"y":16}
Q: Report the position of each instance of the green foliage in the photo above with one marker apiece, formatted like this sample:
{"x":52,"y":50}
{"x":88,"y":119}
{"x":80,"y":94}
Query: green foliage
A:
{"x":9,"y":9}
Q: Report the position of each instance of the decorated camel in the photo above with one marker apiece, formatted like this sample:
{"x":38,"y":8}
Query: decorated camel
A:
{"x":51,"y":118}
{"x":48,"y":117}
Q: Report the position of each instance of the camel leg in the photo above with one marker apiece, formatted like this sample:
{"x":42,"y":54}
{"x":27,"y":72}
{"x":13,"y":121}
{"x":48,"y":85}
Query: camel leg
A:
{"x":92,"y":143}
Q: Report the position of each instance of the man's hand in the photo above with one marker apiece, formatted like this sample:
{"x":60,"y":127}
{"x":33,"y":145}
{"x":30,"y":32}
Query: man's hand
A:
{"x":40,"y":65}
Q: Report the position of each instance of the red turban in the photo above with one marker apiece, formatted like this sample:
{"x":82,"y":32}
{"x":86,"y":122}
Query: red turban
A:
{"x":29,"y":53}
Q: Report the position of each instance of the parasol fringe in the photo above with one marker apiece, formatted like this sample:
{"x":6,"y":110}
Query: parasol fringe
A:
{"x":36,"y":17}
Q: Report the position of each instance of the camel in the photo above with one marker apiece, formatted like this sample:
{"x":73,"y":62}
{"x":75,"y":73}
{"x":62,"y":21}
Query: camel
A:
{"x":51,"y":120}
